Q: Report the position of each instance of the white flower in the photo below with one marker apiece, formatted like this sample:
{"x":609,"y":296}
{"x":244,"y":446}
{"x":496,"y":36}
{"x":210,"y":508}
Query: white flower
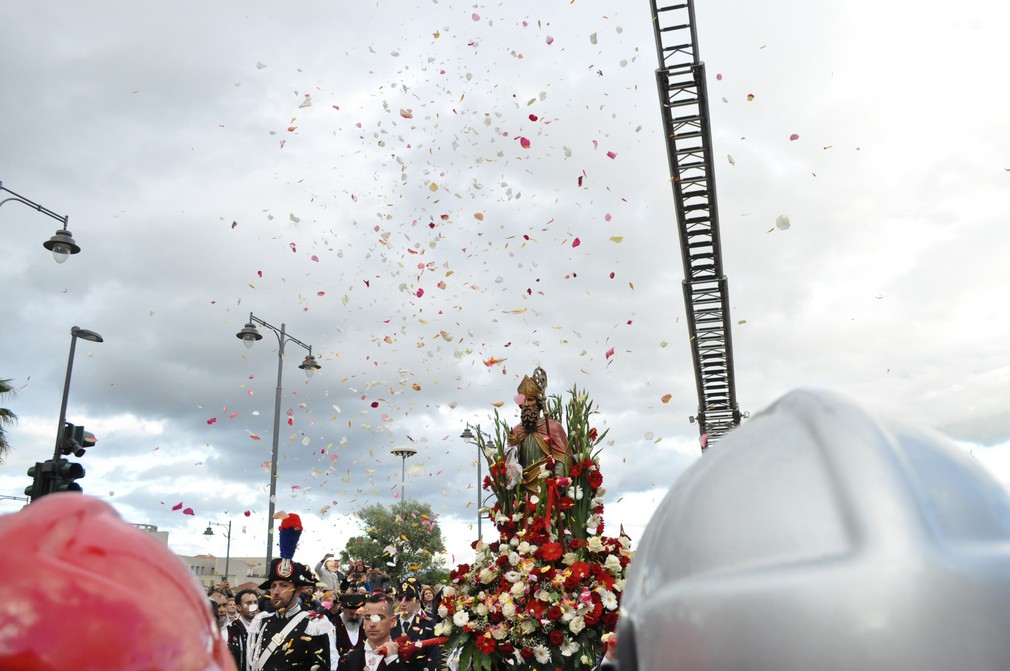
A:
{"x":499,"y":632}
{"x":514,"y":541}
{"x":518,"y":589}
{"x":524,"y":548}
{"x":448,"y":591}
{"x":619,"y":585}
{"x":460,"y":618}
{"x":487,"y":576}
{"x":612,"y":564}
{"x":578,"y":493}
{"x":513,"y":558}
{"x":567,"y":614}
{"x":609,"y":600}
{"x":592,"y":522}
{"x":586,"y":661}
{"x":513,"y":576}
{"x":542,"y":654}
{"x":508,"y":609}
{"x":481,"y":610}
{"x":527,"y":626}
{"x":443,"y":612}
{"x":443,"y":628}
{"x":501,"y":517}
{"x":569,"y":648}
{"x":595,"y":543}
{"x":576,"y":625}
{"x":570,"y":558}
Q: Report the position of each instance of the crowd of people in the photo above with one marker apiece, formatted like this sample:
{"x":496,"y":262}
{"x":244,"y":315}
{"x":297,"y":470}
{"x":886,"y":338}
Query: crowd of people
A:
{"x":355,"y":619}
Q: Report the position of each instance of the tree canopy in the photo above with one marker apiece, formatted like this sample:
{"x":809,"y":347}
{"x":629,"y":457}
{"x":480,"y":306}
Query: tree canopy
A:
{"x":404,"y":540}
{"x":7,"y":418}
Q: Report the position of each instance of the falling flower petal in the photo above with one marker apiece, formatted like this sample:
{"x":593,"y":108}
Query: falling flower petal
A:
{"x":794,"y":137}
{"x":782,"y":222}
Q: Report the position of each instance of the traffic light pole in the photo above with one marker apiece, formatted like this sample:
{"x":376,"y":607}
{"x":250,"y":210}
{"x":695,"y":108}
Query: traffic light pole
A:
{"x":75,"y":333}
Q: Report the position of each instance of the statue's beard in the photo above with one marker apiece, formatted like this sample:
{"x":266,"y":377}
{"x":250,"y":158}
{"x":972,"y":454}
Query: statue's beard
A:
{"x":529,"y":418}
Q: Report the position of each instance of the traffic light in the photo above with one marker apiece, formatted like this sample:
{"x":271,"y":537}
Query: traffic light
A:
{"x":76,"y":440}
{"x":40,"y":482}
{"x":63,"y":475}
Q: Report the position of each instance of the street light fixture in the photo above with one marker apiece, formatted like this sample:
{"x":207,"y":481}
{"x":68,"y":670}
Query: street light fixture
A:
{"x":249,"y":335}
{"x":62,"y":244}
{"x":467,"y":436}
{"x":227,"y":557}
{"x":75,"y":333}
{"x":404,"y":453}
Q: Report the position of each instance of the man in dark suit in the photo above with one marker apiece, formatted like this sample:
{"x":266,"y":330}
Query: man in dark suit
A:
{"x":413,"y":622}
{"x":380,"y":652}
{"x":348,"y":623}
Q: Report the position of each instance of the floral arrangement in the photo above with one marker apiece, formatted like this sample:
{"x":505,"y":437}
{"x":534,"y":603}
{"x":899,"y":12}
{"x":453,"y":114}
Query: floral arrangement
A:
{"x":545,"y":593}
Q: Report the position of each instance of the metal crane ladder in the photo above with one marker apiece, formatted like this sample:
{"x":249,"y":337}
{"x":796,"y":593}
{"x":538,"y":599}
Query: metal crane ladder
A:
{"x":684,"y":103}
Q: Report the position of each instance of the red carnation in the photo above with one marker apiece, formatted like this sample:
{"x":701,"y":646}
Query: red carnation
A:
{"x":566,"y":503}
{"x":526,"y":653}
{"x":575,"y":471}
{"x":551,"y":551}
{"x":486,"y":644}
{"x":554,"y":613}
{"x":595,"y":479}
{"x":557,"y":638}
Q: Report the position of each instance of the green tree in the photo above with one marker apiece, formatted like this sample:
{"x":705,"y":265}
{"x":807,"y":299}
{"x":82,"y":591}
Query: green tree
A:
{"x":404,"y":540}
{"x":7,"y":419}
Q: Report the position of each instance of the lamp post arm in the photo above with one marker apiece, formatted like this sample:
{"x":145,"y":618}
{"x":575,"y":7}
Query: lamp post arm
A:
{"x":64,"y":219}
{"x":282,"y":335}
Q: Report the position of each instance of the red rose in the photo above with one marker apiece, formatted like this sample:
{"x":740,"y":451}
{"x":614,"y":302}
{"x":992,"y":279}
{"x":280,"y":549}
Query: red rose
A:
{"x":554,"y":613}
{"x":591,"y":619}
{"x":573,"y":544}
{"x":526,"y":653}
{"x":556,"y":637}
{"x":571,"y":582}
{"x":595,"y":479}
{"x":506,"y":648}
{"x":502,"y":560}
{"x":551,"y":551}
{"x":486,"y":644}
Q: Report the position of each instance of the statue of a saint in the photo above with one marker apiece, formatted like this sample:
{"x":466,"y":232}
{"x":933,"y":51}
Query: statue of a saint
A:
{"x":536,"y":437}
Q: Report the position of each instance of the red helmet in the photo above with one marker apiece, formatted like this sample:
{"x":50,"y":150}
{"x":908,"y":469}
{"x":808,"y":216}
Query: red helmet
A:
{"x":84,"y":590}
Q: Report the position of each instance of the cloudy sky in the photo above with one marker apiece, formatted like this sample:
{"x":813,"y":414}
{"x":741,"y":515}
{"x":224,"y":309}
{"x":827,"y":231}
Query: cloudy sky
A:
{"x":421,"y":189}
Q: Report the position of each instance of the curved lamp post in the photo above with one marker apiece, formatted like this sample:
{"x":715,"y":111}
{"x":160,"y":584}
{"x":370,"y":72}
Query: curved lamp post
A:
{"x":227,"y":556}
{"x":404,"y":453}
{"x":62,"y":244}
{"x":249,"y":335}
{"x":75,"y":333}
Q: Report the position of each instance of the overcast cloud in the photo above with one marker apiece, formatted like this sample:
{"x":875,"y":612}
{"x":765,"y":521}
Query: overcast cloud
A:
{"x":357,"y":172}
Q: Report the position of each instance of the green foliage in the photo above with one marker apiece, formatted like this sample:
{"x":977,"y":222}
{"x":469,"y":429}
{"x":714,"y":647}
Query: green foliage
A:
{"x":404,"y":540}
{"x":7,"y":418}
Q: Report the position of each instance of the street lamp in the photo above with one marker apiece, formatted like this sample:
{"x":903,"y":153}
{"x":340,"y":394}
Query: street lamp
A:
{"x":467,"y":436}
{"x":227,"y":557}
{"x":249,"y":335}
{"x":75,"y":333}
{"x":404,"y":453}
{"x":62,"y":244}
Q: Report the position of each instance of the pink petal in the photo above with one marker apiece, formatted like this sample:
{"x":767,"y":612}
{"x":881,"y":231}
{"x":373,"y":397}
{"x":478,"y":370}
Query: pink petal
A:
{"x":475,"y":16}
{"x":212,"y":420}
{"x":610,"y":352}
{"x":794,"y":137}
{"x":177,"y":506}
{"x":576,"y":242}
{"x":611,"y":154}
{"x":188,"y":511}
{"x":420,"y":292}
{"x":524,"y":143}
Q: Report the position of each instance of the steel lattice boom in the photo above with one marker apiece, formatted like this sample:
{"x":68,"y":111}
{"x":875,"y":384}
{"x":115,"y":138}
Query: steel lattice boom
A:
{"x":684,"y":103}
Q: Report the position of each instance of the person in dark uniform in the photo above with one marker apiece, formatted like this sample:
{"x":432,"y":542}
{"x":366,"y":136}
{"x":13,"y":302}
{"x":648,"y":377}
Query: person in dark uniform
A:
{"x":237,"y":632}
{"x":413,"y":622}
{"x":292,"y":637}
{"x":348,"y":623}
{"x":380,"y":652}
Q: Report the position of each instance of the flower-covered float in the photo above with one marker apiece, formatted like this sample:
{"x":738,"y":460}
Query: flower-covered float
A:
{"x":545,"y":594}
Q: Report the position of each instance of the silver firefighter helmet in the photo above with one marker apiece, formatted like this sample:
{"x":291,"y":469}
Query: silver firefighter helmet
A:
{"x":819,"y":537}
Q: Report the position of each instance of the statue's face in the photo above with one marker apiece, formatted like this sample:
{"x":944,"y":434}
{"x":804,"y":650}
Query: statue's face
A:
{"x":529,"y":402}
